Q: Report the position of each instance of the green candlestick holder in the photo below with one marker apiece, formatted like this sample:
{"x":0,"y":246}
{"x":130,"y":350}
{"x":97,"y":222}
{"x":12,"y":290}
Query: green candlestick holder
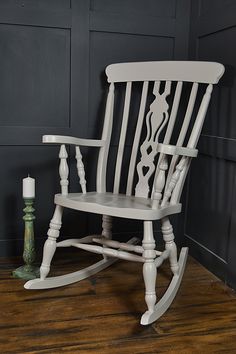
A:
{"x":28,"y":271}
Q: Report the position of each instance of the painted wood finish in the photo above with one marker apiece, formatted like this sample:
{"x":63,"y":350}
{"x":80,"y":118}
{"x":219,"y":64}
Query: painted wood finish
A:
{"x":63,"y":170}
{"x":80,"y":169}
{"x":144,"y":206}
{"x":163,"y":71}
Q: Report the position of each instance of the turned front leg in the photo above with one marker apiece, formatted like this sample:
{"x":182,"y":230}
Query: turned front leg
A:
{"x":168,"y":236}
{"x":50,"y":244}
{"x":149,"y":267}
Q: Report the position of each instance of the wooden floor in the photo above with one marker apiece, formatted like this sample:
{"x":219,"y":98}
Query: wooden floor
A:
{"x":101,"y":314}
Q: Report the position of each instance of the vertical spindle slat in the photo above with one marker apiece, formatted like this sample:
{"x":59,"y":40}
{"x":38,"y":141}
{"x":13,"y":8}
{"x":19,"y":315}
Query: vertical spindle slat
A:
{"x":80,"y":169}
{"x":106,"y":135}
{"x":183,"y":131}
{"x":63,"y":170}
{"x":188,"y":114}
{"x":193,"y":140}
{"x":137,"y":138}
{"x":122,"y":138}
{"x":200,"y":118}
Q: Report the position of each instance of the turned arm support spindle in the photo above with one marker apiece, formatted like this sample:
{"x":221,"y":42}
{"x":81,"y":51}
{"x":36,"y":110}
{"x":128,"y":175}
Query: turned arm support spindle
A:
{"x":159,"y":183}
{"x":63,"y":170}
{"x":174,"y":179}
{"x":80,"y":169}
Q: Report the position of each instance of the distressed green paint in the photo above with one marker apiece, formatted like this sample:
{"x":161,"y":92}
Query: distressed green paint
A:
{"x":28,"y":271}
{"x":29,"y":249}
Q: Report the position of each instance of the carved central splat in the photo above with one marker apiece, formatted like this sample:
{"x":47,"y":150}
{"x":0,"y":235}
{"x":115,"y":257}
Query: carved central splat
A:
{"x":156,"y":119}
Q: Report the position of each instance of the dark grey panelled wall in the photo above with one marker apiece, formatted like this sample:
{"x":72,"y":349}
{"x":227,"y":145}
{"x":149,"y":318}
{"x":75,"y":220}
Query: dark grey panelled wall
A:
{"x":210,"y":225}
{"x":52,"y":59}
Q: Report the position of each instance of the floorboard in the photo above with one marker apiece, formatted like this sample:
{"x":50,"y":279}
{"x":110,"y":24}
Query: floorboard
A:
{"x":101,"y":315}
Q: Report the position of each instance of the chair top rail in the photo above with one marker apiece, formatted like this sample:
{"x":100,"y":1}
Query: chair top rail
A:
{"x":189,"y":71}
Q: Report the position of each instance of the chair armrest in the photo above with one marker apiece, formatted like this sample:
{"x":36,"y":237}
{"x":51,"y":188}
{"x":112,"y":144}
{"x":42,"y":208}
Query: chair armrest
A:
{"x":61,"y":139}
{"x":176,"y":150}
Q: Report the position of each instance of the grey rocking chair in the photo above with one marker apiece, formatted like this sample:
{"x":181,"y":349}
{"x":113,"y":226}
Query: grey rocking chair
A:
{"x":164,"y":142}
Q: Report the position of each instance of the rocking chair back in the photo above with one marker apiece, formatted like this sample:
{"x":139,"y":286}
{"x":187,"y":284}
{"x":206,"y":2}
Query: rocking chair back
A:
{"x":156,"y":123}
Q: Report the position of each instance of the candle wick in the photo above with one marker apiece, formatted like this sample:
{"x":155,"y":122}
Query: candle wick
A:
{"x":28,"y":175}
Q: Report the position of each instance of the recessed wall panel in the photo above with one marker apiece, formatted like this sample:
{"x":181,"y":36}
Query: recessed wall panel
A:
{"x":157,"y":8}
{"x":35,"y":76}
{"x":207,"y":6}
{"x":209,"y":203}
{"x":108,"y":48}
{"x":215,"y":47}
{"x":37,"y":4}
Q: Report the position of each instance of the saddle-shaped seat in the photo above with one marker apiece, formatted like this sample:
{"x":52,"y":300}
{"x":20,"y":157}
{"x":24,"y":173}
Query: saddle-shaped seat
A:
{"x":118,"y":205}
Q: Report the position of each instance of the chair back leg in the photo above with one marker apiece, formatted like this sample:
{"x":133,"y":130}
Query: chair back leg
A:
{"x":106,"y":229}
{"x":107,"y":226}
{"x":168,"y":236}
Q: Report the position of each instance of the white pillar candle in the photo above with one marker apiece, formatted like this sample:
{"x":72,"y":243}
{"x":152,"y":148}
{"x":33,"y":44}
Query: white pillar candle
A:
{"x":28,"y":187}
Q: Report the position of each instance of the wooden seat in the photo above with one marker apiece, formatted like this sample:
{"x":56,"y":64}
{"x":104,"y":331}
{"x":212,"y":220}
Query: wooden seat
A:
{"x":173,"y":97}
{"x":118,"y":205}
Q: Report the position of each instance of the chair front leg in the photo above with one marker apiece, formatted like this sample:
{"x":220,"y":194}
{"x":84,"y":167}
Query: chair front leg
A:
{"x":50,"y":244}
{"x":168,"y":236}
{"x":149,"y":267}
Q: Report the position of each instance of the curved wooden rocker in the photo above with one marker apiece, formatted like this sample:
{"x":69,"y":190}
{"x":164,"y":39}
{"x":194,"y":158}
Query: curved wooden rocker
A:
{"x":161,"y":158}
{"x":163,"y":304}
{"x":62,"y":280}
